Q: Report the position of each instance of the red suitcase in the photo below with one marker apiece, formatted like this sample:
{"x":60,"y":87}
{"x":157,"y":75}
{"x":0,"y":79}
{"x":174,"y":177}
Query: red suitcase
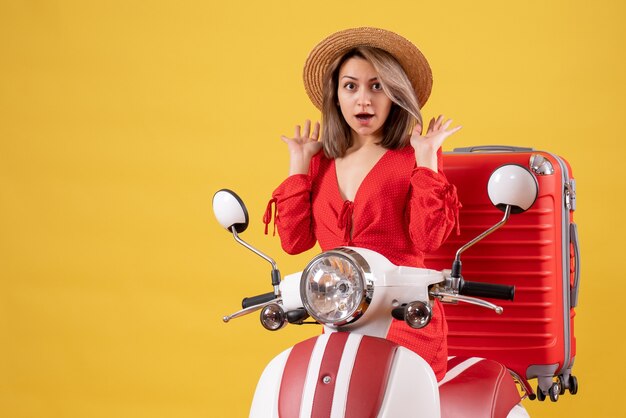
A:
{"x":537,"y":251}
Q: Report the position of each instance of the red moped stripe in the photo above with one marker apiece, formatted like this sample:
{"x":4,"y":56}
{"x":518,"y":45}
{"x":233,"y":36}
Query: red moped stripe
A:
{"x":369,"y":377}
{"x":294,"y":376}
{"x":325,"y":388}
{"x":455,"y":361}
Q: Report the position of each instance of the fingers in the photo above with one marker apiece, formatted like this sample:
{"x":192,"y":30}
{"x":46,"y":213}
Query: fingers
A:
{"x":303,"y":136}
{"x":438,"y":122}
{"x":431,"y":125}
{"x":316,"y":131}
{"x":446,"y":133}
{"x":299,"y":133}
{"x":417,"y":129}
{"x":307,"y":129}
{"x":447,"y":124}
{"x":455,"y":129}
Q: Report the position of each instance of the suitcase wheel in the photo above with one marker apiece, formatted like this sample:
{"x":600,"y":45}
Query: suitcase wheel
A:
{"x":540,"y":395}
{"x":553,"y":392}
{"x":562,"y":385}
{"x":571,"y":384}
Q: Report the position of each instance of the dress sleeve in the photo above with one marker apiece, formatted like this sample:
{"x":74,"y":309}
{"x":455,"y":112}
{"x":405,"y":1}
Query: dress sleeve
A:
{"x":293,"y":216}
{"x":433,"y":209}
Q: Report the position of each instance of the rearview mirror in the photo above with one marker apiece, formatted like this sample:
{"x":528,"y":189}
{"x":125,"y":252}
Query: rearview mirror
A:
{"x":512,"y":185}
{"x":230,"y":210}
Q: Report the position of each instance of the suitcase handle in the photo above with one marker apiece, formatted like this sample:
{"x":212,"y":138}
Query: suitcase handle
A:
{"x":492,"y":148}
{"x":573,"y":233}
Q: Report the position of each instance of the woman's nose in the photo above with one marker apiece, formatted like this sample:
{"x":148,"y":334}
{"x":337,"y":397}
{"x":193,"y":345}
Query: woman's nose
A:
{"x":364,"y":98}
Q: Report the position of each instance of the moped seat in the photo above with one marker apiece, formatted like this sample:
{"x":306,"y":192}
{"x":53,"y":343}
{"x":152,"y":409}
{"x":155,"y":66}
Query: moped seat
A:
{"x":477,"y":387}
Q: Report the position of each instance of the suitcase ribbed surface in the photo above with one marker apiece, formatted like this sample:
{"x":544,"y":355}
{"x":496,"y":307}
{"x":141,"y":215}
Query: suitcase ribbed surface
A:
{"x":527,"y":252}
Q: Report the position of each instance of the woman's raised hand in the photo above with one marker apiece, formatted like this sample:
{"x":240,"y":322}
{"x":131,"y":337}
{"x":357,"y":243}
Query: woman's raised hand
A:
{"x":427,"y":144}
{"x":302,"y":147}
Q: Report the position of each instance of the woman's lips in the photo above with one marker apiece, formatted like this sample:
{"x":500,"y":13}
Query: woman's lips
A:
{"x":364,"y":118}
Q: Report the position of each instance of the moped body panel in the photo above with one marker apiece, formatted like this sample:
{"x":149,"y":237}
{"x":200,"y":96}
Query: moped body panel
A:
{"x":346,"y":375}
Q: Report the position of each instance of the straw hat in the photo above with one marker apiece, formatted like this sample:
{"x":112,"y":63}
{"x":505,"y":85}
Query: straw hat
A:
{"x":410,"y":58}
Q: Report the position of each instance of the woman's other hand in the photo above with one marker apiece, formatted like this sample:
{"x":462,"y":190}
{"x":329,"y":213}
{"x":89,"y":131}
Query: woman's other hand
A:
{"x":302,"y":147}
{"x":426,"y":145}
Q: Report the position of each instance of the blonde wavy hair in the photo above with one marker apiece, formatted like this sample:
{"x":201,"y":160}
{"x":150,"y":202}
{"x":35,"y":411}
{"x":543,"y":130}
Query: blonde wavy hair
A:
{"x":404,"y":113}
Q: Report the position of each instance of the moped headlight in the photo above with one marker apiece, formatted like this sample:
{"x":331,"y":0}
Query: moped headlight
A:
{"x":334,"y":287}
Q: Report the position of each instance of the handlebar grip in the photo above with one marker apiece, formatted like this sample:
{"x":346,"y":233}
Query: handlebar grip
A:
{"x":487,"y":290}
{"x":255,"y":300}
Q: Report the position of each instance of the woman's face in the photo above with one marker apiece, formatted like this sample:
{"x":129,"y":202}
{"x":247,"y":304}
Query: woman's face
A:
{"x":364,"y":105}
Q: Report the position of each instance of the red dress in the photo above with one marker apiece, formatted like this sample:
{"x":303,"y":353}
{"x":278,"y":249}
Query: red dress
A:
{"x":400,"y":210}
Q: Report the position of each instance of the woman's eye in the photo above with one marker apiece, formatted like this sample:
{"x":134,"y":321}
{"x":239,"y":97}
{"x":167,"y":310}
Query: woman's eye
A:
{"x":349,"y":86}
{"x":377,"y":87}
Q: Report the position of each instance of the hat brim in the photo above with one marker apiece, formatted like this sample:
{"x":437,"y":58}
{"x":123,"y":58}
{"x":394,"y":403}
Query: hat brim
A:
{"x":328,"y":50}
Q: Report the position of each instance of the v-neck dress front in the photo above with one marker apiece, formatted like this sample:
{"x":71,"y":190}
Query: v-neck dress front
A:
{"x":400,"y":211}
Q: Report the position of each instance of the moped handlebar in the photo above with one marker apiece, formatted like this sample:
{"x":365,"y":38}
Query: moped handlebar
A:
{"x":257,"y":300}
{"x":487,"y":290}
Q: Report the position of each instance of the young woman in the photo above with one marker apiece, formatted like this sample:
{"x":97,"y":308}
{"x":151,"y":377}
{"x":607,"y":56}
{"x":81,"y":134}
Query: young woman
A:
{"x":378,"y":183}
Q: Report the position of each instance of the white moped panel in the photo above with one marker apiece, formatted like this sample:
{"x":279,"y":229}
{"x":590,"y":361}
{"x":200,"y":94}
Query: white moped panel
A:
{"x":518,"y":411}
{"x":412,"y":390}
{"x":265,"y":401}
{"x":376,"y":320}
{"x":290,"y":291}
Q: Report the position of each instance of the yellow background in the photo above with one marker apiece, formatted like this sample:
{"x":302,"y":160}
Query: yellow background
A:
{"x":120,"y":119}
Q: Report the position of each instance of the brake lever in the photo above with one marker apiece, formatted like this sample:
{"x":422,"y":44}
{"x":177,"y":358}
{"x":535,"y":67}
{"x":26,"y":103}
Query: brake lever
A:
{"x":452,"y":298}
{"x":250,"y":309}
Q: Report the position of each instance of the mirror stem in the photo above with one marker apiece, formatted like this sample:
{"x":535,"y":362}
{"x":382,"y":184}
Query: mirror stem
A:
{"x":456,"y":267}
{"x":275,"y":272}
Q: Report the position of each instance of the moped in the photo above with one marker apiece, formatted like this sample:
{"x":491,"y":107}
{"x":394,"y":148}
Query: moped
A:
{"x":351,"y":370}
